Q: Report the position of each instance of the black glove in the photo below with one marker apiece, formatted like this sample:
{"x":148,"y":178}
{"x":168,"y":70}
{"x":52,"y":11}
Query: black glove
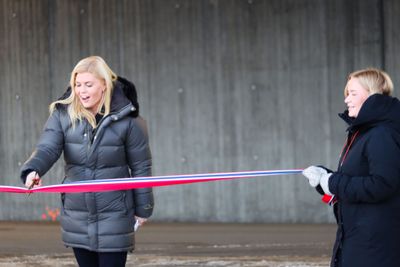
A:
{"x":323,"y":167}
{"x":320,"y":190}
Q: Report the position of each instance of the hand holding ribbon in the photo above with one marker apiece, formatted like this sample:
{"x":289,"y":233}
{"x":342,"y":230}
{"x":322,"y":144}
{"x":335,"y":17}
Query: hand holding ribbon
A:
{"x":318,"y":176}
{"x":33,"y":180}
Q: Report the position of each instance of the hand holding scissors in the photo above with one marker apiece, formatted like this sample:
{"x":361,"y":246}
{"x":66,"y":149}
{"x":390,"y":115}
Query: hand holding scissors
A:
{"x":33,"y":180}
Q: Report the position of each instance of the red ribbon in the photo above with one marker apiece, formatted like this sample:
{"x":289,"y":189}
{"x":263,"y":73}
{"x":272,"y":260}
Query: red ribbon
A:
{"x":141,"y":182}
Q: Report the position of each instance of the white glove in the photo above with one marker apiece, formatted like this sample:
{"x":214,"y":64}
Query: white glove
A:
{"x":324,"y":182}
{"x":318,"y":176}
{"x":139,"y":222}
{"x":313,"y":174}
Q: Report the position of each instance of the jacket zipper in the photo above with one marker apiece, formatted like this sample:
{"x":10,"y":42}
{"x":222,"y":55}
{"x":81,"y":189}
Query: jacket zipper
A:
{"x":348,"y":146}
{"x":110,"y":115}
{"x":345,"y":150}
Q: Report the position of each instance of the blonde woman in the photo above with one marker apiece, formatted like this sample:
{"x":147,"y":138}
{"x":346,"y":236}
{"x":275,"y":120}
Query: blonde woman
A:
{"x":97,"y":126}
{"x":366,"y":186}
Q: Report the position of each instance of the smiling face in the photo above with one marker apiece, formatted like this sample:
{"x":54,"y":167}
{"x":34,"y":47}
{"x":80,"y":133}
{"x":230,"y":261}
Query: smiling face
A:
{"x":89,"y":90}
{"x":356,"y":96}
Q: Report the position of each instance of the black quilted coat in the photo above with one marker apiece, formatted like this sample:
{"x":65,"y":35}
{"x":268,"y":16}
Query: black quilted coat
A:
{"x":367,"y":185}
{"x":117,"y":148}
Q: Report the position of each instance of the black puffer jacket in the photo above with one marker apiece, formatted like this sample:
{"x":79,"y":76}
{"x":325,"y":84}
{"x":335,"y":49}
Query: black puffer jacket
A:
{"x":117,"y":148}
{"x":367,"y":185}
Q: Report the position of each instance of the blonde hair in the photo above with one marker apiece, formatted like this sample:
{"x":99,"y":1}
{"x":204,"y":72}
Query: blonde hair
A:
{"x":373,"y":80}
{"x":99,"y":68}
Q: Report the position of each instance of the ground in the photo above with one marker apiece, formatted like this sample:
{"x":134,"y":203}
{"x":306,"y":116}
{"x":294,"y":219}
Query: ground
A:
{"x":181,"y":244}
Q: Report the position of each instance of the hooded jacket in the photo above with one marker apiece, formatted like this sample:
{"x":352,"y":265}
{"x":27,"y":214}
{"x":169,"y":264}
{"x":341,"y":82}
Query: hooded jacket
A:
{"x":117,"y":148}
{"x":367,"y":185}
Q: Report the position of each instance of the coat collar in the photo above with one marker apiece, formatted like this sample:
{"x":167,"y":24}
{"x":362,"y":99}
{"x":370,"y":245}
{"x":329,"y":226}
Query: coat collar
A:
{"x":377,"y":109}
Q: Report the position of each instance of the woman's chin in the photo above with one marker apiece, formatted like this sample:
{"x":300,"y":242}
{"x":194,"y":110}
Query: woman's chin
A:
{"x":352,"y":115}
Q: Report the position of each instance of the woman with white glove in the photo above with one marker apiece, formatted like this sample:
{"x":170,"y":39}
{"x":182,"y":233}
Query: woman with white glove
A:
{"x":366,"y":186}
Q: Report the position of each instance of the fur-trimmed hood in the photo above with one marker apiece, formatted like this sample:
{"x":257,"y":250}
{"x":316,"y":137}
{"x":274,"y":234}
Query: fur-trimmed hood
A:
{"x":124,"y":92}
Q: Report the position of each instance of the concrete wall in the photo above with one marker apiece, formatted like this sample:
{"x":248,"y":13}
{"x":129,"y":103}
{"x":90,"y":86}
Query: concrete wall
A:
{"x":224,"y":85}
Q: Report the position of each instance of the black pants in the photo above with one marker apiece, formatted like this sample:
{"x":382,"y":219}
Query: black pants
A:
{"x":86,"y":258}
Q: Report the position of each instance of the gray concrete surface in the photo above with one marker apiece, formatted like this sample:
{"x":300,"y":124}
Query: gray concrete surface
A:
{"x":177,"y":244}
{"x":225,"y":85}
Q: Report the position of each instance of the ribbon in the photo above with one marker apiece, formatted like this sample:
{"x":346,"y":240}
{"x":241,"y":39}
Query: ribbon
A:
{"x":141,"y":182}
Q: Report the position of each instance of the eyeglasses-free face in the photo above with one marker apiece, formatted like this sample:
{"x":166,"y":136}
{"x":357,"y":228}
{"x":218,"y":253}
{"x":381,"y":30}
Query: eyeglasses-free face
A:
{"x":356,"y":96}
{"x":90,"y":90}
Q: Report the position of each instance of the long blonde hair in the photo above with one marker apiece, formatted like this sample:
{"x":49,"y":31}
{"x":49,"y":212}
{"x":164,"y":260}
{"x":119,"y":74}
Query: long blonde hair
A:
{"x":99,"y":68}
{"x":375,"y":81}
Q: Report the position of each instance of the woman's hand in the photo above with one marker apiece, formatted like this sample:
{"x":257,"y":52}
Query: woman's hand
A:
{"x":33,"y":180}
{"x":318,"y":176}
{"x":139,"y":222}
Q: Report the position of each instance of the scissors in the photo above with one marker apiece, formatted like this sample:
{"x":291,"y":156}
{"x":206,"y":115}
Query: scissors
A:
{"x":34,"y":182}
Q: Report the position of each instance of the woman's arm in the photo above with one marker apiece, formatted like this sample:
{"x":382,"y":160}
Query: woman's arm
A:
{"x":139,"y":160}
{"x":383,"y":155}
{"x":48,"y":149}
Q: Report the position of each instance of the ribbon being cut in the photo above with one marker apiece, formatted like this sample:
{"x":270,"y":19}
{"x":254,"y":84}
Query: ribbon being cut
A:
{"x":140,"y":182}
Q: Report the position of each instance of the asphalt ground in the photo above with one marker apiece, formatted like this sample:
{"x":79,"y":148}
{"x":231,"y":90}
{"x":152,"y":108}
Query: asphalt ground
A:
{"x":181,"y":244}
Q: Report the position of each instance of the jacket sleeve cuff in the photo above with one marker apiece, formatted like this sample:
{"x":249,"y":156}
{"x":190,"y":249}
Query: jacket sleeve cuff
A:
{"x":144,"y":202}
{"x":24,"y":174}
{"x":333,"y":183}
